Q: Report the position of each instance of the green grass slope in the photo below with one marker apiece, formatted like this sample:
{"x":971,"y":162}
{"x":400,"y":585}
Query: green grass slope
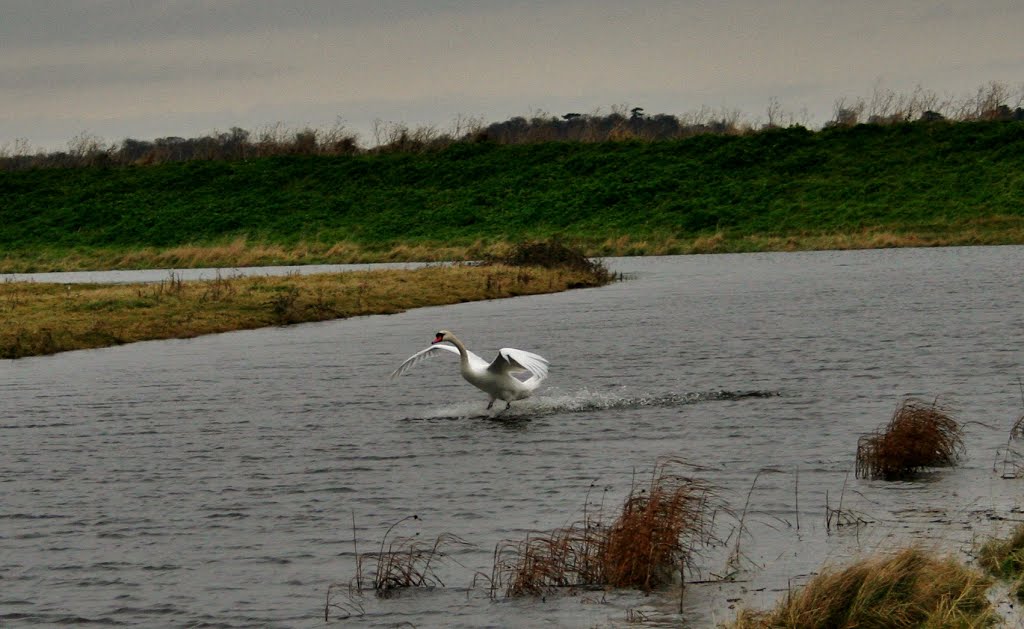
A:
{"x":774,"y":183}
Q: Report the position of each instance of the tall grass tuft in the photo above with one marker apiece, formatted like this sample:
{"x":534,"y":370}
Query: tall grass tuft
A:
{"x":564,"y":557}
{"x":647,"y":542}
{"x":911,"y":588}
{"x":919,"y":435}
{"x":646,"y":545}
{"x":1004,"y":558}
{"x":405,"y":562}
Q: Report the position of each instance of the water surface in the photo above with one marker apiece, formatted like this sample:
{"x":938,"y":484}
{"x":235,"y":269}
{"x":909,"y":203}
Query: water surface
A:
{"x":214,"y":481}
{"x":144,"y":276}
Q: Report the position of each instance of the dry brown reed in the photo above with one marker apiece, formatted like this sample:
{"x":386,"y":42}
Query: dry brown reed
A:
{"x":564,"y":557}
{"x":648,"y":542}
{"x":407,"y":562}
{"x":911,"y":588}
{"x":839,"y":517}
{"x":920,"y":435}
{"x":1004,"y":559}
{"x":1012,"y":458}
{"x":400,"y":563}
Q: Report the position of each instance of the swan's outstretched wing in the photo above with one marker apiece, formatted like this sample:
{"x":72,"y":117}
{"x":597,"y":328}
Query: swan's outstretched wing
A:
{"x":435,"y":350}
{"x":420,"y":356}
{"x":510,"y":359}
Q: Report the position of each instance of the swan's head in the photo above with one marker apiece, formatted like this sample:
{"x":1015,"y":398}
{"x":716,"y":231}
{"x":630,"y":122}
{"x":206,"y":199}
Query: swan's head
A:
{"x":442,"y":335}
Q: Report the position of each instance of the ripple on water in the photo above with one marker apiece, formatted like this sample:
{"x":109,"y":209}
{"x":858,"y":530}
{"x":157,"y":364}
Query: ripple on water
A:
{"x":224,"y":481}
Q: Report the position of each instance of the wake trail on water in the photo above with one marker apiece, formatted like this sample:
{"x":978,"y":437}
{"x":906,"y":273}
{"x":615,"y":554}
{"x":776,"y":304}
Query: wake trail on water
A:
{"x":584,"y":401}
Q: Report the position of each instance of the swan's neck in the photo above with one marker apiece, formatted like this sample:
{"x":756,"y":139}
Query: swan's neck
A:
{"x":463,"y":354}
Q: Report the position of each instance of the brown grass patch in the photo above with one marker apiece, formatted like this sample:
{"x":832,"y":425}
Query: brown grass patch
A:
{"x":920,"y":435}
{"x":648,"y":542}
{"x":911,"y":588}
{"x":50,"y":318}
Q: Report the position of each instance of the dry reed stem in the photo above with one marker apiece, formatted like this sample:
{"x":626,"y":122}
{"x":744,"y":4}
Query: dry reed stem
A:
{"x":644,"y":547}
{"x":911,"y":588}
{"x":920,"y":435}
{"x":405,"y":562}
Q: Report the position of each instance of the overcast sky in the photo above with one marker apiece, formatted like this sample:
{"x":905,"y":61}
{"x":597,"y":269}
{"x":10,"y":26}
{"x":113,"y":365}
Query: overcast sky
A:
{"x":154,"y":68}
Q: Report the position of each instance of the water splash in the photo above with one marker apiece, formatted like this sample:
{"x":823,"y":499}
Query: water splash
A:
{"x":585,"y":400}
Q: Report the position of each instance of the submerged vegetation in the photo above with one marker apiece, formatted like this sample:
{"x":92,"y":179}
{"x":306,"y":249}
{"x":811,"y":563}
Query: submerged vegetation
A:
{"x":909,"y":589}
{"x":919,"y":435}
{"x":51,"y":318}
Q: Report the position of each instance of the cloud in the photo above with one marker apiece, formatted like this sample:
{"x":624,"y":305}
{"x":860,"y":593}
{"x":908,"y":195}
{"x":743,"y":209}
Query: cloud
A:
{"x":224,"y":63}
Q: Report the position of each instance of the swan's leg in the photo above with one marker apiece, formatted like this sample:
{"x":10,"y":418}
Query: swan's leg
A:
{"x":491,"y":404}
{"x":508,"y":405}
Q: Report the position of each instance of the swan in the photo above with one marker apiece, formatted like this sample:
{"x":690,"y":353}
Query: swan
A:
{"x":496,"y":378}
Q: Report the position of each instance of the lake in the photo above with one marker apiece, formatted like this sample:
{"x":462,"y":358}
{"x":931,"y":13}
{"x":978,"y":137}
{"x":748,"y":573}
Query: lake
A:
{"x":214,"y":481}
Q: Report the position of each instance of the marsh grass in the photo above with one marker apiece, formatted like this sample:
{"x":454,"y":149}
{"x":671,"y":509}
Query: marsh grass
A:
{"x":401,"y":562}
{"x":1012,"y":458}
{"x":644,"y":547}
{"x":1004,"y":559}
{"x":243,"y":251}
{"x":49,"y":318}
{"x":919,"y":435}
{"x":911,"y":588}
{"x":408,"y":562}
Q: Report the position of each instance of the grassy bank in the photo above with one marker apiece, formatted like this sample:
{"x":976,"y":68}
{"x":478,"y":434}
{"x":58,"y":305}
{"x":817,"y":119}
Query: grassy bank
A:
{"x":50,"y":318}
{"x":911,"y":588}
{"x":913,"y":184}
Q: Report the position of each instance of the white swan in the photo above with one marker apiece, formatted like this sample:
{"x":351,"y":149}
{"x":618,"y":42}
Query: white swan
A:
{"x":496,"y":379}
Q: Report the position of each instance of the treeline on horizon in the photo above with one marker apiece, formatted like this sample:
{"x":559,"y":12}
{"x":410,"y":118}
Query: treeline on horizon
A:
{"x":992,"y":102}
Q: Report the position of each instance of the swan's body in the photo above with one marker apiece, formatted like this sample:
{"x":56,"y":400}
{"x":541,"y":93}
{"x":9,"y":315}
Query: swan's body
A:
{"x":496,"y":378}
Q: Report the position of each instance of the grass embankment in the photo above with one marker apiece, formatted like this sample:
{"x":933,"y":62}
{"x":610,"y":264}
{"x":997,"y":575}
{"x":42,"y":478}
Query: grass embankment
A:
{"x":911,"y":184}
{"x":51,"y":318}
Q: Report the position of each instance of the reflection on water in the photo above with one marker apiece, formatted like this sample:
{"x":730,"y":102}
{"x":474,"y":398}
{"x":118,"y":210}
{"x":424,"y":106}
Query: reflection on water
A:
{"x":215,"y":480}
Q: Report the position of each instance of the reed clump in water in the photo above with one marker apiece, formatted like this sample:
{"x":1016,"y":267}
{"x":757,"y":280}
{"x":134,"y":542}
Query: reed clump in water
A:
{"x":920,"y":435}
{"x":911,"y":588}
{"x":400,"y":563}
{"x":1004,"y":559}
{"x":646,"y":544}
{"x":404,"y":562}
{"x":408,"y":562}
